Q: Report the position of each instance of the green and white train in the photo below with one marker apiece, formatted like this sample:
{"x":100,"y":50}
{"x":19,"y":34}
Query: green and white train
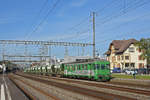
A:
{"x":98,"y":70}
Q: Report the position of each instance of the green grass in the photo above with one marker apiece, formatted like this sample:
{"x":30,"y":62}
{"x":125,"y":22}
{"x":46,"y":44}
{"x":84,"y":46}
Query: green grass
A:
{"x":145,"y":77}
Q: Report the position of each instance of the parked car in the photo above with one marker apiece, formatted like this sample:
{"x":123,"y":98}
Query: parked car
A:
{"x":116,"y":70}
{"x":131,"y":72}
{"x":142,"y":70}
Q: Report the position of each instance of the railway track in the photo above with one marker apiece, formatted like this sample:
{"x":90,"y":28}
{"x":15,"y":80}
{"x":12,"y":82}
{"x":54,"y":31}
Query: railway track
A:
{"x":27,"y":93}
{"x":120,"y":88}
{"x":84,"y":91}
{"x":30,"y":97}
{"x":110,"y":85}
{"x":111,"y":82}
{"x":130,"y":84}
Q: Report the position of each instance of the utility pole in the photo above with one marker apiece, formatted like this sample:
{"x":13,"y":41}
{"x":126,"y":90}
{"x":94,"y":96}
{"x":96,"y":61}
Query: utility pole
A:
{"x":93,"y":14}
{"x":50,"y":56}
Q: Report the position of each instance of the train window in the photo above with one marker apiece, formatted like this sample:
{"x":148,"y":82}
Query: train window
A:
{"x":108,"y":66}
{"x":68,"y":67}
{"x":86,"y":67}
{"x":76,"y":67}
{"x":102,"y":66}
{"x":79,"y":67}
{"x":96,"y":66}
{"x":82,"y":67}
{"x":73,"y":67}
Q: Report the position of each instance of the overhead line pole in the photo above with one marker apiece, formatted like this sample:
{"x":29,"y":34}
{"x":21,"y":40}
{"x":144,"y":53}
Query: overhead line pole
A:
{"x":93,"y":14}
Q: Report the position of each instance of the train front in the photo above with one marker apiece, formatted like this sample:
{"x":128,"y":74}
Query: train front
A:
{"x":102,"y":71}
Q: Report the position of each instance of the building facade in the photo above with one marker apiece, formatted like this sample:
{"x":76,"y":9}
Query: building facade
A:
{"x":125,"y":55}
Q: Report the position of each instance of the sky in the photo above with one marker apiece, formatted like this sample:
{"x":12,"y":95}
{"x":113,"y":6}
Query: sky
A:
{"x":71,"y":21}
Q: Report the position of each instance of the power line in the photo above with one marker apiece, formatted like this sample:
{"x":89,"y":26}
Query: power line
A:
{"x":130,"y":21}
{"x":107,"y":5}
{"x":126,"y":34}
{"x":38,"y":14}
{"x":127,"y":9}
{"x":138,"y":4}
{"x":42,"y":21}
{"x":84,"y":20}
{"x":79,"y":33}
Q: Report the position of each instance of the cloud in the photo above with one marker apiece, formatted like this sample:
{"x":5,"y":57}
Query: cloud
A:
{"x":78,"y":3}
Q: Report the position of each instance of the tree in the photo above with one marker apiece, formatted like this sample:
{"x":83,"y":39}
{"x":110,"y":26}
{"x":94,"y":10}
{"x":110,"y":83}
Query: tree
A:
{"x":144,"y":45}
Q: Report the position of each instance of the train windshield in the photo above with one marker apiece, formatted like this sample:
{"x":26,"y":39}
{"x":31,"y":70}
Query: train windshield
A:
{"x":102,"y":66}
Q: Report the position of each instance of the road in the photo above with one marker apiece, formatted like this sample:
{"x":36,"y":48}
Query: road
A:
{"x":9,"y":91}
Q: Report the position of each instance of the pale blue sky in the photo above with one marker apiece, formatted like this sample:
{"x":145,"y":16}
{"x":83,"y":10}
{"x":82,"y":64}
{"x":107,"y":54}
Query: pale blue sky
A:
{"x":71,"y":21}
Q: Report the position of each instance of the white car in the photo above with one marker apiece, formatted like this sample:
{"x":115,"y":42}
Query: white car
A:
{"x":131,"y":72}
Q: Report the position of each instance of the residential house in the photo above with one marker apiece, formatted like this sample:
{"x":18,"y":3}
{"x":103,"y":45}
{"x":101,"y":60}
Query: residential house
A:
{"x":124,"y":54}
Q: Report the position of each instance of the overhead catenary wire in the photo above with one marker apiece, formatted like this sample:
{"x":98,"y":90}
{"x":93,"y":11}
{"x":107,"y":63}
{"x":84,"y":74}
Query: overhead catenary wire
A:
{"x":79,"y":33}
{"x":121,"y":13}
{"x":76,"y":27}
{"x":38,"y":15}
{"x":138,"y":5}
{"x":125,"y":9}
{"x":140,"y":31}
{"x":106,"y":6}
{"x":45,"y":17}
{"x":135,"y":18}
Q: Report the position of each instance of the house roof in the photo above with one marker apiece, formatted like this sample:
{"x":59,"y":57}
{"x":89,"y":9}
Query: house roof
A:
{"x":120,"y":45}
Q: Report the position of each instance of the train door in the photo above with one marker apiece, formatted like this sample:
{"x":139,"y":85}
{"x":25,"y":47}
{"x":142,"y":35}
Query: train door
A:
{"x":91,"y":70}
{"x":96,"y":70}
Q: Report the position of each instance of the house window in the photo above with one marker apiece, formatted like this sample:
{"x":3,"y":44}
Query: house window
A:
{"x":141,"y":65}
{"x":132,"y":64}
{"x":122,"y":57}
{"x":113,"y":58}
{"x":131,"y":49}
{"x":118,"y":57}
{"x":127,"y":57}
{"x":126,"y":64}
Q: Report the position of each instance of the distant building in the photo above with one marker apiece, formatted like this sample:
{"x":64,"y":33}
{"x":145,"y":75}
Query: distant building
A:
{"x":124,"y":54}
